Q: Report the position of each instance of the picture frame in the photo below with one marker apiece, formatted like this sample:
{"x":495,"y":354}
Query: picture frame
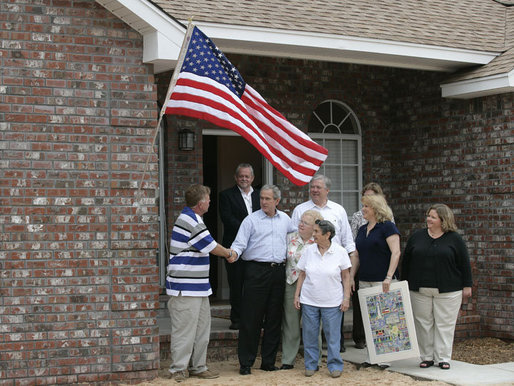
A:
{"x":388,"y":323}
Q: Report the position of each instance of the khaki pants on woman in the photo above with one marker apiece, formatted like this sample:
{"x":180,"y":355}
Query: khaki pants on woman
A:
{"x":435,"y":316}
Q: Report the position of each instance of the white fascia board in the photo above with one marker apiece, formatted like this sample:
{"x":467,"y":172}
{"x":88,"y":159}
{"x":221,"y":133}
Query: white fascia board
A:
{"x":281,"y":43}
{"x":162,"y":36}
{"x":163,"y":39}
{"x":474,"y":88}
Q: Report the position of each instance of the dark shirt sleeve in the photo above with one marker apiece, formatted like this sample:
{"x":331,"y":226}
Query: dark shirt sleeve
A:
{"x":463,"y":263}
{"x":227,"y":217}
{"x":406,"y":260}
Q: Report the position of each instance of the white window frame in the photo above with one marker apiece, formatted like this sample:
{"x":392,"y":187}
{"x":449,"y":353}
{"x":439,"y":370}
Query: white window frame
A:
{"x":357,"y":137}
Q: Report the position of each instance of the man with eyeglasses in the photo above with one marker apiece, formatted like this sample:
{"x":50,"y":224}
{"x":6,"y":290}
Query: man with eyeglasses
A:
{"x":319,"y":188}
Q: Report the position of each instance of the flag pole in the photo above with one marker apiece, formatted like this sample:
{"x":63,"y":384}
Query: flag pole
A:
{"x":173,"y":82}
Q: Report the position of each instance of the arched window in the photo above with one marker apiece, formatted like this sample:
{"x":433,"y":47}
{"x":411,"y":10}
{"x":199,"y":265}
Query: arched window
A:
{"x":335,"y":126}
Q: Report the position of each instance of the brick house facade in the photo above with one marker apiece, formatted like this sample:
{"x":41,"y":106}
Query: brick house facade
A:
{"x":78,"y":267}
{"x":79,"y":285}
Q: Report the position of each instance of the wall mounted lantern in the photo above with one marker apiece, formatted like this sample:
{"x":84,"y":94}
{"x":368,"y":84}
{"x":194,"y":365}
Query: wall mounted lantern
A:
{"x":186,"y":140}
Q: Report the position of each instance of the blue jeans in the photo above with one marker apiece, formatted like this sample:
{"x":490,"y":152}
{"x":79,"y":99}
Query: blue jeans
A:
{"x":331,"y":318}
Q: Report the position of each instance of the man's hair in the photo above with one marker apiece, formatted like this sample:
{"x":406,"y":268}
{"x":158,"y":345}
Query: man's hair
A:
{"x":274,"y":189}
{"x":196,"y":193}
{"x":327,"y":181}
{"x":244,"y":166}
{"x":374,"y":187}
{"x":446,"y":216}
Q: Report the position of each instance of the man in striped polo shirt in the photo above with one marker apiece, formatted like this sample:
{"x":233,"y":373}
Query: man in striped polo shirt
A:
{"x":187,"y":283}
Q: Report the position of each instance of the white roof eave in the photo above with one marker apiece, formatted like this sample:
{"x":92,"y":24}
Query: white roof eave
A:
{"x":163,"y":36}
{"x":474,"y":88}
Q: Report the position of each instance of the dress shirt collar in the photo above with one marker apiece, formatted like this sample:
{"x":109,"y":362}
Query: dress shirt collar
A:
{"x":244,"y":193}
{"x":328,"y":204}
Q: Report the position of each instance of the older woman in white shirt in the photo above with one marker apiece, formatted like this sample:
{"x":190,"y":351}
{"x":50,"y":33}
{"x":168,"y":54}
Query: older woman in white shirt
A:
{"x":324,"y":272}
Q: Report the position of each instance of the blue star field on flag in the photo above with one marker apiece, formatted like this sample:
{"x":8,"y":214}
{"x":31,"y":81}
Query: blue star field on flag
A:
{"x":205,"y":59}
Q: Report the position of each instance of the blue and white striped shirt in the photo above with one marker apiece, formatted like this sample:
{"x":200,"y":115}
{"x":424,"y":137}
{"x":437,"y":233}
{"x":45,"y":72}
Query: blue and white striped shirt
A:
{"x":188,"y":267}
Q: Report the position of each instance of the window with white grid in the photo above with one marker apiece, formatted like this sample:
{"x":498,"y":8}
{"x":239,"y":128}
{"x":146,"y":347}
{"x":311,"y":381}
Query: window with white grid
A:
{"x":335,"y":126}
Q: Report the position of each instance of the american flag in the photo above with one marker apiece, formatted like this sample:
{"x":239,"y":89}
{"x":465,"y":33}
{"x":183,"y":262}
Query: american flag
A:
{"x":209,"y":87}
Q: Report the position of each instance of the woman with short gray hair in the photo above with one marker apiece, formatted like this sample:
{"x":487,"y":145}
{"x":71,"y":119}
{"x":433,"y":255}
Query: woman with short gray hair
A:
{"x":323,"y":294}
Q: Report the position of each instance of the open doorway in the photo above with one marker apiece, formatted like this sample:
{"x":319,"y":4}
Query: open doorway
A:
{"x":222,"y":152}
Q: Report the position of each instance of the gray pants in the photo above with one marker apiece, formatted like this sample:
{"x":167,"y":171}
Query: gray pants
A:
{"x":190,"y":331}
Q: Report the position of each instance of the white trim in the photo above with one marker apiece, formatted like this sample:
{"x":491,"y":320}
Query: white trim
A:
{"x":473,"y":88}
{"x":220,"y":132}
{"x":163,"y":38}
{"x":283,"y":43}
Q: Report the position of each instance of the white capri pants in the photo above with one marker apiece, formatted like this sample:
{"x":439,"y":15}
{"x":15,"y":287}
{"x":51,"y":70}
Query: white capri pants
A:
{"x":435,"y":316}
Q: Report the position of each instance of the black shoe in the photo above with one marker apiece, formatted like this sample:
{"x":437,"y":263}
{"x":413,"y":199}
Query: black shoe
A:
{"x":342,"y":349}
{"x":269,"y":367}
{"x":245,"y":371}
{"x":364,"y":365}
{"x":286,"y":367}
{"x":360,"y":345}
{"x":234,"y":326}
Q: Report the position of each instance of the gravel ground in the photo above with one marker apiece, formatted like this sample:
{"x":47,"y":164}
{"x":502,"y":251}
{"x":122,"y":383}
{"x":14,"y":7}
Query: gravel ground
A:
{"x":483,"y":351}
{"x":478,"y":351}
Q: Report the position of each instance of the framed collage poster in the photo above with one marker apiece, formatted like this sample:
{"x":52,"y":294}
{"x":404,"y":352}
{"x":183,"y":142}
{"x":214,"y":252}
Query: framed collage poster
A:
{"x":388,"y":323}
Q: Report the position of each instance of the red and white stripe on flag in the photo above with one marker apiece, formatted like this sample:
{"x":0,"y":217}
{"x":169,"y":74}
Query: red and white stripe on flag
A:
{"x":196,"y":95}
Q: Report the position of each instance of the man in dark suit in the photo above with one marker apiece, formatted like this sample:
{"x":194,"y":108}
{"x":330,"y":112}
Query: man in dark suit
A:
{"x":236,"y":203}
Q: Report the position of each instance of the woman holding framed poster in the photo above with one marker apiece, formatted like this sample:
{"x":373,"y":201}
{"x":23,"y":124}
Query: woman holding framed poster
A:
{"x":436,"y":265}
{"x":378,"y":250}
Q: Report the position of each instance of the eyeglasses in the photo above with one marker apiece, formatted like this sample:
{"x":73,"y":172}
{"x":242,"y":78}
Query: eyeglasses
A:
{"x":306,"y":223}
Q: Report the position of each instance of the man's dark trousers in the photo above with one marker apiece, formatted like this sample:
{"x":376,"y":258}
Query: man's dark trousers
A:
{"x":261,"y":306}
{"x":235,"y":284}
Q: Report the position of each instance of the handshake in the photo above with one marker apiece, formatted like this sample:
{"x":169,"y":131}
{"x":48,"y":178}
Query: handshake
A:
{"x":231,"y":255}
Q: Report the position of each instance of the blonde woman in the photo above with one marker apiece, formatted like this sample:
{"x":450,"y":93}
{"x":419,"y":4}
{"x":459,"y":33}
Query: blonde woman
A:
{"x":436,"y":265}
{"x":378,"y":249}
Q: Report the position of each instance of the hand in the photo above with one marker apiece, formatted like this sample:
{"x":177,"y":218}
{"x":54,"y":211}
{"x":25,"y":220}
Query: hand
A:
{"x":297,"y":302}
{"x":345,"y":305}
{"x":232,"y":255}
{"x":385,"y":284}
{"x":466,"y":293}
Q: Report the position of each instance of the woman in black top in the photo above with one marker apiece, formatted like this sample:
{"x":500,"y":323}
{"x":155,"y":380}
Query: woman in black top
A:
{"x":436,"y":265}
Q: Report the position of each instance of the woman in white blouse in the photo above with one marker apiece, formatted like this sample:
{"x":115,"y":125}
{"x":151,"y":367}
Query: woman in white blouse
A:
{"x":323,"y":294}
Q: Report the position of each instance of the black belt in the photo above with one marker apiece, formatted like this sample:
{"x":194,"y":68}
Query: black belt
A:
{"x":273,"y":265}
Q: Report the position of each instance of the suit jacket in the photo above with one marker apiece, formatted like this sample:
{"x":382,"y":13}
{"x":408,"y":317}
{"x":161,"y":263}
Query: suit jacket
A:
{"x":233,"y":211}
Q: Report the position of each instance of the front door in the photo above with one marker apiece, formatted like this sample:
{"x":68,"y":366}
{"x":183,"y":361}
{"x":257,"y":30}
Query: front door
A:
{"x":222,"y":152}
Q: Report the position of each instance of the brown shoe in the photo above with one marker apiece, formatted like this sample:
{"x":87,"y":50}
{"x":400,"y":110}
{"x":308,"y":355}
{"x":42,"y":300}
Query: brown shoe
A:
{"x":179,"y":376}
{"x":207,"y":374}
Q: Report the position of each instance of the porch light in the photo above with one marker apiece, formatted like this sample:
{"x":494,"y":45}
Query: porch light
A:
{"x":186,"y":140}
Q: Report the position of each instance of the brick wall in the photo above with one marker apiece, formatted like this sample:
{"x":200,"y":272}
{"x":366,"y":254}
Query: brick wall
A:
{"x":77,"y":260}
{"x":459,"y":152}
{"x":422,"y":149}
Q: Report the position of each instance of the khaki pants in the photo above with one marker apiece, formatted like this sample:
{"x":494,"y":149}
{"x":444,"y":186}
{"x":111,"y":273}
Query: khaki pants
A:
{"x":435,"y":316}
{"x":190,"y":331}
